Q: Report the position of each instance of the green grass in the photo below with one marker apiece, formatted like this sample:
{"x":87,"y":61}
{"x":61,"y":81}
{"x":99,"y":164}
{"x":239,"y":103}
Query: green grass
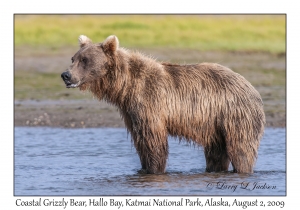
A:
{"x":214,"y":32}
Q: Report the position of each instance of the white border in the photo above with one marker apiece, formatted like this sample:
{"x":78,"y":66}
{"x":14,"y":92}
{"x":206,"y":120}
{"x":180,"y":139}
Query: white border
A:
{"x":8,"y":9}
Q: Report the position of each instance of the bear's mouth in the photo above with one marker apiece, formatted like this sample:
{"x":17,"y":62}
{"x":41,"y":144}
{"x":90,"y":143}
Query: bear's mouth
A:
{"x":71,"y":85}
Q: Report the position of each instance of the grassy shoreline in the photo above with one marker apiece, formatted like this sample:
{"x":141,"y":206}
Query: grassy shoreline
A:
{"x":203,"y":32}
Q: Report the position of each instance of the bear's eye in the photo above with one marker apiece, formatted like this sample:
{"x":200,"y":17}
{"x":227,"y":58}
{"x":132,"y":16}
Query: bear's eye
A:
{"x":72,"y":59}
{"x":84,"y":60}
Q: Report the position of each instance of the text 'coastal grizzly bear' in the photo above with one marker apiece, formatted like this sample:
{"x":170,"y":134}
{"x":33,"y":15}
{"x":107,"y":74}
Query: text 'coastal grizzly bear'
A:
{"x":207,"y":104}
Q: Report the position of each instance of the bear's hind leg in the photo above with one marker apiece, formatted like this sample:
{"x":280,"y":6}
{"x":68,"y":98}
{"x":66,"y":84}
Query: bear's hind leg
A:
{"x":216,"y":158}
{"x":242,"y":151}
{"x":242,"y":159}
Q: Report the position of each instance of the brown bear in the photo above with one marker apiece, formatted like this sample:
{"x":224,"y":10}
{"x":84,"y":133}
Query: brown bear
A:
{"x":205,"y":103}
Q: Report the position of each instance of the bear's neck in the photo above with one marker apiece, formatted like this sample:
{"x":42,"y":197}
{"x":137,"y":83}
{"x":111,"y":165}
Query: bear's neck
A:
{"x":132,"y":71}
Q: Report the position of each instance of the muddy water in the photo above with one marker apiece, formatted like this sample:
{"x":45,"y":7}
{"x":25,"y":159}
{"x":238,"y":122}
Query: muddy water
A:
{"x":102,"y":161}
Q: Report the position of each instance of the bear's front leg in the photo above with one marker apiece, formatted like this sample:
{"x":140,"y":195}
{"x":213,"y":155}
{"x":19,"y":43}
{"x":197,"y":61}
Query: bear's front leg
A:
{"x":152,"y":148}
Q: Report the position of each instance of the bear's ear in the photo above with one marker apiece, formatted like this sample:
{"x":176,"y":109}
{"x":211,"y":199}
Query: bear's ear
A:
{"x":111,"y":44}
{"x":84,"y":41}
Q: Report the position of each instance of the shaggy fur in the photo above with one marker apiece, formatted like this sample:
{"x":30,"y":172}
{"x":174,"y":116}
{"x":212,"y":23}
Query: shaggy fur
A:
{"x":206,"y":103}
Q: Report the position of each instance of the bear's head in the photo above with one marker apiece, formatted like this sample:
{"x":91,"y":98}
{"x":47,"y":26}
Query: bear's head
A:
{"x":91,"y":62}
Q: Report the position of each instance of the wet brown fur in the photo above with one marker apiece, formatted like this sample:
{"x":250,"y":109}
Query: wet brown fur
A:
{"x":206,"y":103}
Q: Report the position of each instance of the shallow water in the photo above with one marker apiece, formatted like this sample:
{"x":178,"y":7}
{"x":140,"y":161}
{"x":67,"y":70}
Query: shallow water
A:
{"x":103,"y":161}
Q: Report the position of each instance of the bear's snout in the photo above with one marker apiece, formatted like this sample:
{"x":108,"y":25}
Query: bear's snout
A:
{"x":66,"y":76}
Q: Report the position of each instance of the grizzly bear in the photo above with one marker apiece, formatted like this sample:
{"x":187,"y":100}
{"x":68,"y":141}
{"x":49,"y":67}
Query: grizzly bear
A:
{"x":207,"y":104}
